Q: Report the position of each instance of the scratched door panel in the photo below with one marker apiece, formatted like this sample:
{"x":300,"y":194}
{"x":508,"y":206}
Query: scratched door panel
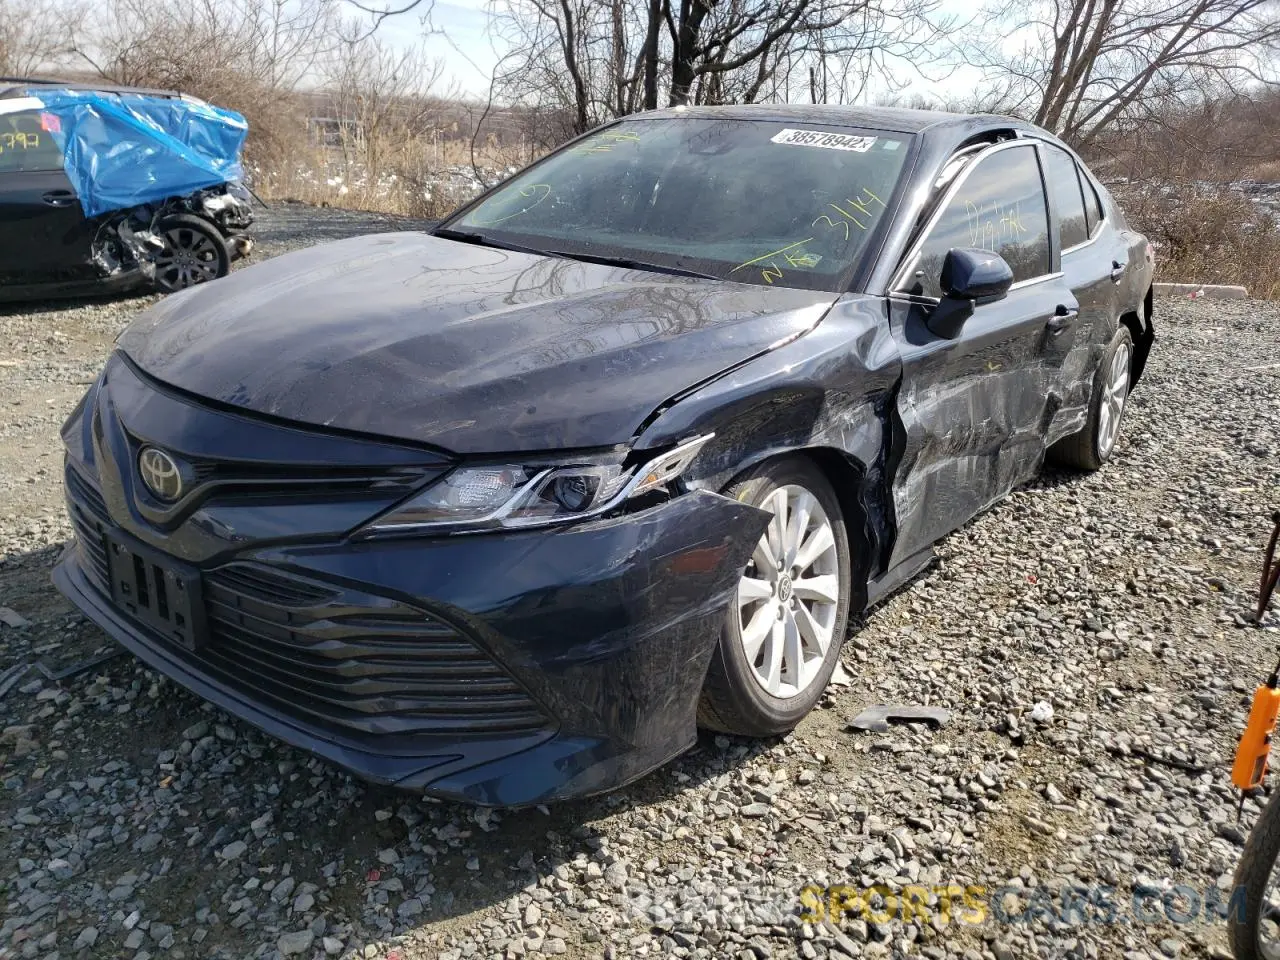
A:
{"x":973,"y":411}
{"x":1088,"y":249}
{"x":1086,"y":271}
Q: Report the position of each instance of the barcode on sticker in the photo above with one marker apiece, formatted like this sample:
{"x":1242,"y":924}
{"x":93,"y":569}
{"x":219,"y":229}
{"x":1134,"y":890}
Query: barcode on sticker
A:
{"x":820,"y":138}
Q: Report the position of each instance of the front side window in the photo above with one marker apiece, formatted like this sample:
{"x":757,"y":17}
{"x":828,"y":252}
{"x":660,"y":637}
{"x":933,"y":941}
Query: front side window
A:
{"x":1063,"y":178}
{"x":26,"y":142}
{"x":763,"y":202}
{"x":999,"y":205}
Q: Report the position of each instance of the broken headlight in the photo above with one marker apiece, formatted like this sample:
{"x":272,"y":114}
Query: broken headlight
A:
{"x":507,"y":496}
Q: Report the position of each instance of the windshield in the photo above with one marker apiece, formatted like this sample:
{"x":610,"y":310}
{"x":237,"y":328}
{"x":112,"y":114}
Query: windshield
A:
{"x":763,"y":202}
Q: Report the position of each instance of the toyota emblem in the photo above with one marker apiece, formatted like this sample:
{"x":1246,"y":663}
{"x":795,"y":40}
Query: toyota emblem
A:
{"x":160,"y":473}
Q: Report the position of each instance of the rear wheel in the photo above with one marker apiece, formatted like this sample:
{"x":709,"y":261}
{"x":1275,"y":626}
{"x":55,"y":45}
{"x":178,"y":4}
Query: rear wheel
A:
{"x":194,"y":252}
{"x":1093,"y":446}
{"x":783,"y":631}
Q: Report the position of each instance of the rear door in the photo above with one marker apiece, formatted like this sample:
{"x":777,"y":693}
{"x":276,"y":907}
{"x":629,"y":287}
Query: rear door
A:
{"x":1088,"y":263}
{"x":44,"y":236}
{"x":974,"y":409}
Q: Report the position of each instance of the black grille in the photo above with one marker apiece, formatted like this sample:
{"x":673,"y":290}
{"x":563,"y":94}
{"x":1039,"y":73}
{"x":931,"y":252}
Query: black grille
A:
{"x":89,"y":518}
{"x":363,"y":663}
{"x":335,"y":658}
{"x":236,"y":481}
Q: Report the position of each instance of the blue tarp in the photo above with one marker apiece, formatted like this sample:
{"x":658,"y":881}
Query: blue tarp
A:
{"x":122,"y":150}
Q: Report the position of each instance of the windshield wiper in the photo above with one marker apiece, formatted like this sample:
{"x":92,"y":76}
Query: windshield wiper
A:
{"x":629,"y":263}
{"x":480,"y":239}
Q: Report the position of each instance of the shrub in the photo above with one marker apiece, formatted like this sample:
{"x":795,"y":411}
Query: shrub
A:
{"x":1206,"y":233}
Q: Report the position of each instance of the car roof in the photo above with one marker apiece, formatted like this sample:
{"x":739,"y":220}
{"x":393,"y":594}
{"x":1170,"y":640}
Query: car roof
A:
{"x":22,"y":86}
{"x":891,"y":119}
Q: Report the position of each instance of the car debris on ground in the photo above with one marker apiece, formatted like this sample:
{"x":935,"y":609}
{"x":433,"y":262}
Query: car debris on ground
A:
{"x":10,"y":677}
{"x":79,"y":667}
{"x":876,"y":719}
{"x":12,"y":618}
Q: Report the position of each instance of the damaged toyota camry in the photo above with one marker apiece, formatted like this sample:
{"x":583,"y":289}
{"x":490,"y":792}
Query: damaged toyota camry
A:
{"x":505,"y":511}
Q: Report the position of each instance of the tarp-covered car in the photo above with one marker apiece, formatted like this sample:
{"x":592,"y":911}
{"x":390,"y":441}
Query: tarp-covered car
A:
{"x":107,"y":189}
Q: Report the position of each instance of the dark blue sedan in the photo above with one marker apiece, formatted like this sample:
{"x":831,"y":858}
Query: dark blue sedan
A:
{"x":505,"y":511}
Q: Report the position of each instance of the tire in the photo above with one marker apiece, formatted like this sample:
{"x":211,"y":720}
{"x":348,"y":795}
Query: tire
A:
{"x":1252,"y":873}
{"x":1093,"y":446}
{"x":735,"y":698}
{"x":195,"y":252}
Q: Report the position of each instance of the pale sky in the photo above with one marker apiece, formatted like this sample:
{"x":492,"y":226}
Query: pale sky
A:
{"x":469,"y":51}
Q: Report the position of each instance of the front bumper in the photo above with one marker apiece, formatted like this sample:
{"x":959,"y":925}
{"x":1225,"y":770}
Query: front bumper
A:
{"x":504,"y":669}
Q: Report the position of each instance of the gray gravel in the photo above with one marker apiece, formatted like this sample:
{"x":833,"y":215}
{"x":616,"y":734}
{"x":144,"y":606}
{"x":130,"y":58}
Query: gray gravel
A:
{"x":1087,"y":635}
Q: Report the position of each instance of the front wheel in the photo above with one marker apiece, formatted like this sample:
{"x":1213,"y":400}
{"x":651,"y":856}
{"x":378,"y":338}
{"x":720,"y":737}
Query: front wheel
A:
{"x":1254,"y":932}
{"x":194,"y":252}
{"x":783,"y":631}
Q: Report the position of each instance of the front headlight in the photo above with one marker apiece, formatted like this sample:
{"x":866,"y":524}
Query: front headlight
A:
{"x":506,"y":496}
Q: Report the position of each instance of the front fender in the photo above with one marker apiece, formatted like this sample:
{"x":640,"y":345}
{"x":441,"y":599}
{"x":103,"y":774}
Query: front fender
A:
{"x":830,"y":391}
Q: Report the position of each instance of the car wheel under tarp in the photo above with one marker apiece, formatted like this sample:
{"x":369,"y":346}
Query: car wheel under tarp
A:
{"x":194,"y":252}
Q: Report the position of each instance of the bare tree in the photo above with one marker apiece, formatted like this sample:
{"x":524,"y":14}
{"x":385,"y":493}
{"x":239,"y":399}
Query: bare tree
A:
{"x":248,"y":55}
{"x":210,"y":43}
{"x":605,"y":58}
{"x":33,"y":35}
{"x":1084,"y":67}
{"x":383,"y":99}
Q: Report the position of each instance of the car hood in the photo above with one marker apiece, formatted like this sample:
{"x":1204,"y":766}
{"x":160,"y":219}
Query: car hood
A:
{"x":468,"y":348}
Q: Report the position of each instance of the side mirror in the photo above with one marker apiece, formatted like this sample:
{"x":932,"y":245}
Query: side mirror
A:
{"x":969,"y":276}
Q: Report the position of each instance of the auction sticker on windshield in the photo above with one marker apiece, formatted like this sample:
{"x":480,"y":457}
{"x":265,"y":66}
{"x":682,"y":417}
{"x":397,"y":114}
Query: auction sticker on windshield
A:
{"x":820,"y":138}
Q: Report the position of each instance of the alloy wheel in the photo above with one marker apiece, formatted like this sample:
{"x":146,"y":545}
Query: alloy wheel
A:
{"x":789,"y":596}
{"x":1115,"y":393}
{"x":189,"y":257}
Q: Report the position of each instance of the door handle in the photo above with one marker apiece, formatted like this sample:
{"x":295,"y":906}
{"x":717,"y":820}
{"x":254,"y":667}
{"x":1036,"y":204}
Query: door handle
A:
{"x":1118,"y":268}
{"x":1062,"y":318}
{"x":59,"y":198}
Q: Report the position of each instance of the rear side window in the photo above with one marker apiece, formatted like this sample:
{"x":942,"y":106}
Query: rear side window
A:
{"x":1092,"y":204}
{"x":1063,"y":179}
{"x":1000,"y":206}
{"x":26,"y":142}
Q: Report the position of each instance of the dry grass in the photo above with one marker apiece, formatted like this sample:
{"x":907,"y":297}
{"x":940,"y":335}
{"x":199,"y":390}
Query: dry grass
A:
{"x":1267,"y":172}
{"x":416,"y":178}
{"x":1207,"y":233}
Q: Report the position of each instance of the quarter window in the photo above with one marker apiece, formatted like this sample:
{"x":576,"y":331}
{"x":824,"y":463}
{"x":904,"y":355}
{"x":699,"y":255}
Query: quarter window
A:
{"x":1063,"y":179}
{"x":1000,"y":206}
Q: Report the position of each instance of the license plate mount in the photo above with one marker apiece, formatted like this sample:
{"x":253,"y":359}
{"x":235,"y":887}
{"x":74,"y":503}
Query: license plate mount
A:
{"x":158,"y":591}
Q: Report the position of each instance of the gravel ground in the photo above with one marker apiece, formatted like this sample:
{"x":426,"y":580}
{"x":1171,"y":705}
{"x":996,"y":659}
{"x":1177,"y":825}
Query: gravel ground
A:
{"x":135,"y":821}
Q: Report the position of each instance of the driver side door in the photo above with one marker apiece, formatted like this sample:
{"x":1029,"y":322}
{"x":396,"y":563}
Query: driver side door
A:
{"x":974,"y":409}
